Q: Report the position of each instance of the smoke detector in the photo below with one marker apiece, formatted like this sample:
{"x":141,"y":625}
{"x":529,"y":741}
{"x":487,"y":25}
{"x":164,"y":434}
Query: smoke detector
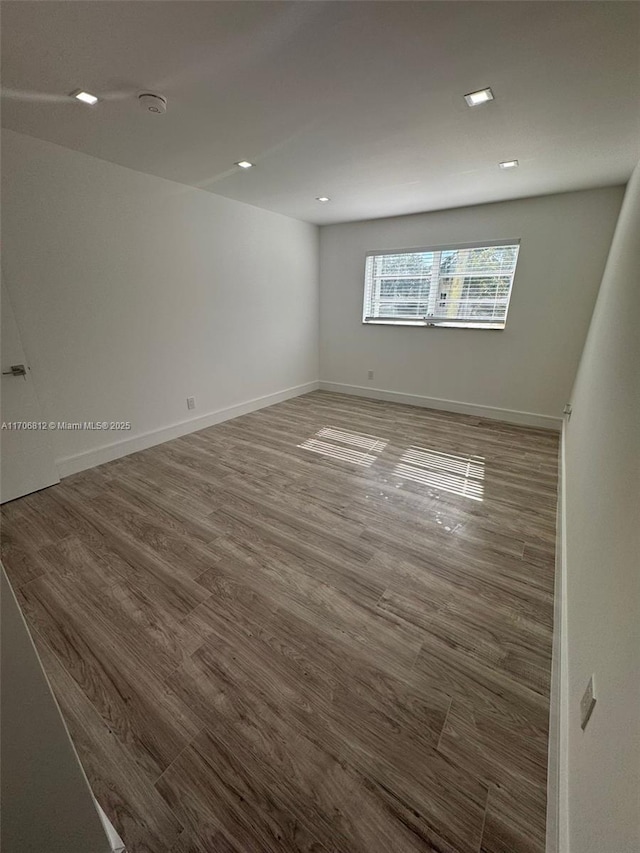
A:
{"x":151,"y":103}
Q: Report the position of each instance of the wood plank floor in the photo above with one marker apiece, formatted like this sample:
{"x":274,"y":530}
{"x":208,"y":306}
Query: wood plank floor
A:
{"x":324,"y":626}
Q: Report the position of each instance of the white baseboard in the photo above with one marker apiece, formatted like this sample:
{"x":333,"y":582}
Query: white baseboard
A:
{"x":117,"y":844}
{"x":562,"y":793}
{"x":508,"y":415}
{"x":556,"y":841}
{"x":90,"y":458}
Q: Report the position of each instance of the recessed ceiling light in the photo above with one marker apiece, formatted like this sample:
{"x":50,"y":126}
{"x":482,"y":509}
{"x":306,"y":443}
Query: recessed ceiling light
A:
{"x":474,"y":99}
{"x":509,"y":164}
{"x":323,"y":198}
{"x":86,"y":98}
{"x":244,"y":164}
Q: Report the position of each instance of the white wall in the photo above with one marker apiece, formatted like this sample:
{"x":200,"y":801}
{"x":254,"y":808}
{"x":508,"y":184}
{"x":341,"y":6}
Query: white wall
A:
{"x":46,"y":800}
{"x":528,"y":367}
{"x":602,"y":554}
{"x":132,"y":292}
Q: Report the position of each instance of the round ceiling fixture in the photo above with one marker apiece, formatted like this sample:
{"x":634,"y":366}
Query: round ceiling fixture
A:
{"x":151,"y":103}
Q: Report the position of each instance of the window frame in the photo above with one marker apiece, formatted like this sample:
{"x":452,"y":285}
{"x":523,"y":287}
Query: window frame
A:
{"x":435,"y":323}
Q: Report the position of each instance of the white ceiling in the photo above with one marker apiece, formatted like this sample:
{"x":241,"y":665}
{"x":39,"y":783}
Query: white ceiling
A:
{"x":360,"y":101}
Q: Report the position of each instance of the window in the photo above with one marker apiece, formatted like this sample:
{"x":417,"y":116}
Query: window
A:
{"x":467,"y":286}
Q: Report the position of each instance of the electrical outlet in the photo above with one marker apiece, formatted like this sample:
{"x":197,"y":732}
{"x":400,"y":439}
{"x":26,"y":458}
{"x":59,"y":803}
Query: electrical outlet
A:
{"x":587,"y":704}
{"x":370,"y":374}
{"x":191,"y":402}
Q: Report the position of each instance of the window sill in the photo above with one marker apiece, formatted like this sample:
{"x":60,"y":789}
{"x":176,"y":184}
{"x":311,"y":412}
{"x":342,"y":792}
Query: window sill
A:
{"x":494,"y":327}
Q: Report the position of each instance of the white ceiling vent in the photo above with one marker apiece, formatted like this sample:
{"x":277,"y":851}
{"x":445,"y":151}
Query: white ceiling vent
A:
{"x":151,"y":103}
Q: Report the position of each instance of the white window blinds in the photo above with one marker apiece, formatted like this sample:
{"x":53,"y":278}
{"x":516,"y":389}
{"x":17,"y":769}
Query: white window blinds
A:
{"x":452,"y":286}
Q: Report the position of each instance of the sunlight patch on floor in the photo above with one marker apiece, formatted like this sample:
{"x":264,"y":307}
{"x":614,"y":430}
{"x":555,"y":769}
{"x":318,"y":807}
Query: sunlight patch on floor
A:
{"x":459,"y":475}
{"x":341,"y":443}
